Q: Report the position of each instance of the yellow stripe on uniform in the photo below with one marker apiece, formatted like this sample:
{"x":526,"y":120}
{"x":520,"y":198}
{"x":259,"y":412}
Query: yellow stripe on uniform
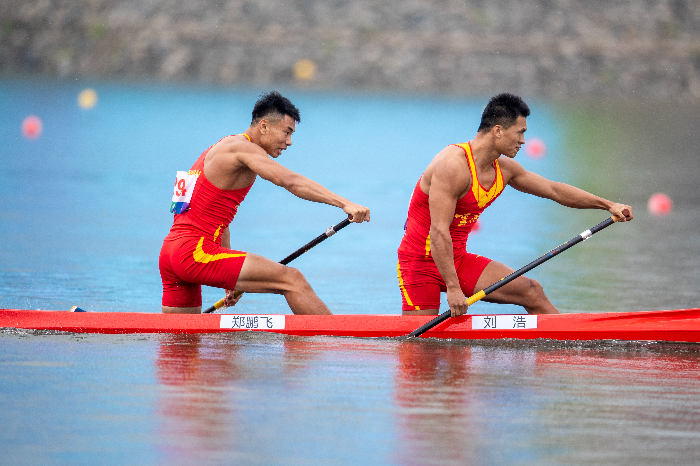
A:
{"x":203,"y":258}
{"x":403,"y":290}
{"x":482,"y":196}
{"x":216,"y":233}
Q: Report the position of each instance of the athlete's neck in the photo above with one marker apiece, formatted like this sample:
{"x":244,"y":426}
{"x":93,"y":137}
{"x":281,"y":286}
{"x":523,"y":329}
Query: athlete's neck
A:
{"x":483,"y":151}
{"x":253,"y":136}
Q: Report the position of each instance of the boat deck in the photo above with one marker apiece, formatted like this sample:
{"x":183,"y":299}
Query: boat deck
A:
{"x":673,"y":325}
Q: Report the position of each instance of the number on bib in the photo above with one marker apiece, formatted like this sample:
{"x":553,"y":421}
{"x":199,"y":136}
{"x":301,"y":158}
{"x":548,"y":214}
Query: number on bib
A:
{"x":182,"y":194}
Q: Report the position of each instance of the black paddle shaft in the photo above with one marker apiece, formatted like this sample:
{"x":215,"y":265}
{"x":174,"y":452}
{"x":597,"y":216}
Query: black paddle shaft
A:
{"x":577,"y":239}
{"x":319,"y":239}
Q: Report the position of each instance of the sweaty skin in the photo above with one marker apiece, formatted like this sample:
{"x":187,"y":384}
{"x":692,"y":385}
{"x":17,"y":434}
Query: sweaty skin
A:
{"x":447,"y":179}
{"x":234,"y":163}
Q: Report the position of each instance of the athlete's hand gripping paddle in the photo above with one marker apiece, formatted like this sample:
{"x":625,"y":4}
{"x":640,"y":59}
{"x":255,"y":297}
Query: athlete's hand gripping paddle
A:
{"x":320,"y":238}
{"x":481,"y":294}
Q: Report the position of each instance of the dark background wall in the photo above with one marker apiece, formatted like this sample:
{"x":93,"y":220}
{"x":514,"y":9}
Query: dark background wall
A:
{"x":548,"y":48}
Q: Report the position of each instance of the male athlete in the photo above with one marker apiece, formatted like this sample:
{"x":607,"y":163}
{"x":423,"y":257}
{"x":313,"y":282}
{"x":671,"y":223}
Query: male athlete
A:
{"x":197,"y":251}
{"x":459,"y":183}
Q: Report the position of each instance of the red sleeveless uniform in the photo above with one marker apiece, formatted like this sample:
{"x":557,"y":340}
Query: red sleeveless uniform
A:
{"x":420,"y":281}
{"x":192,"y":254}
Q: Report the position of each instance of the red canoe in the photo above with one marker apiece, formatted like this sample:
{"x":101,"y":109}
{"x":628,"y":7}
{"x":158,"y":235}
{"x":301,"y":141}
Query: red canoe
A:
{"x":671,"y":326}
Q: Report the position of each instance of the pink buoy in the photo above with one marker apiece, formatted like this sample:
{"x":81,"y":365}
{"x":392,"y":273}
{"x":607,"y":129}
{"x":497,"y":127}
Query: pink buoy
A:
{"x":659,"y":204}
{"x":31,"y":127}
{"x":535,"y":148}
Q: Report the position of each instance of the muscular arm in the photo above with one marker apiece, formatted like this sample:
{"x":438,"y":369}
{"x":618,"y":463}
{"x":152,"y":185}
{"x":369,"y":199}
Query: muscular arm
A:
{"x":446,"y":184}
{"x":562,"y":193}
{"x":300,"y":185}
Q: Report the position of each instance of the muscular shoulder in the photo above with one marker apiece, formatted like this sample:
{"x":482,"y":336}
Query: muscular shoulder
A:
{"x":509,"y":168}
{"x":450,"y":170}
{"x":234,"y":153}
{"x":232,"y":146}
{"x":227,"y":164}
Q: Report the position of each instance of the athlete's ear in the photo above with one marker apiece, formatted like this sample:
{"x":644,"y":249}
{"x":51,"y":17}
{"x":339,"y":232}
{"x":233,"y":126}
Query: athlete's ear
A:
{"x":263,"y":126}
{"x":497,"y":131}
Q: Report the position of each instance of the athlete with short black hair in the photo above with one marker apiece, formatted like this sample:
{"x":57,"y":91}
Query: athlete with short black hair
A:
{"x":274,"y":104}
{"x":458,"y":184}
{"x":197,"y":251}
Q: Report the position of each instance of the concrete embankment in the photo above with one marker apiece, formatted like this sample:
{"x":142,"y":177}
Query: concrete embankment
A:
{"x":546,"y":48}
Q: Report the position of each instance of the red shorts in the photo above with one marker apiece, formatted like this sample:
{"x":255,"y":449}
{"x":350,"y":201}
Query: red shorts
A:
{"x":421,"y":283}
{"x":188,"y":263}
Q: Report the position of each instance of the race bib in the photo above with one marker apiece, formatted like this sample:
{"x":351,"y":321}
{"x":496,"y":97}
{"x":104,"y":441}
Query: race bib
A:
{"x":182,"y":194}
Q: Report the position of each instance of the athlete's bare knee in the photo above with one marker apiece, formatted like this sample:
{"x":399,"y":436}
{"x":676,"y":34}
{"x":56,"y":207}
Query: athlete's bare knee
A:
{"x":537,"y":300}
{"x":295,"y":280}
{"x":536,"y":287}
{"x":534,"y":292}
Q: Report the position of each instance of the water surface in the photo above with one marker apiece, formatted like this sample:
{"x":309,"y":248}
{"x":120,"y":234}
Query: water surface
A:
{"x":264,"y":399}
{"x":85,"y":206}
{"x":85,"y":209}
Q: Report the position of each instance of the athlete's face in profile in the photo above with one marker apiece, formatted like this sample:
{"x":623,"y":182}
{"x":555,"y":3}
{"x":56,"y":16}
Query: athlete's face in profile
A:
{"x":513,"y":138}
{"x":278,"y":135}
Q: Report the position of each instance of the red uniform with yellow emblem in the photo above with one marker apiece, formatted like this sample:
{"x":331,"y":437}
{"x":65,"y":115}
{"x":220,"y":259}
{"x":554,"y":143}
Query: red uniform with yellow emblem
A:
{"x":419,"y":279}
{"x":192,"y":254}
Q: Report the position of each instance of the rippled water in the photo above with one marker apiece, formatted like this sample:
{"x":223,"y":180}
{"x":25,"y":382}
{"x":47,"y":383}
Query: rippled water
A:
{"x":274,"y":400}
{"x":85,"y":209}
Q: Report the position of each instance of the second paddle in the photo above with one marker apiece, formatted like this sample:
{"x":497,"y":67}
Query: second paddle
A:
{"x":481,"y":294}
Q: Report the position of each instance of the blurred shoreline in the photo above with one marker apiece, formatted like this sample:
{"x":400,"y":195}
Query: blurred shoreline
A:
{"x":537,"y":48}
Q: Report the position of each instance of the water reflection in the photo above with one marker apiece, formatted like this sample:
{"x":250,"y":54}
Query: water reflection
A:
{"x":432,"y":400}
{"x":496,"y":403}
{"x":268,"y":399}
{"x":194,"y":421}
{"x":255,"y":396}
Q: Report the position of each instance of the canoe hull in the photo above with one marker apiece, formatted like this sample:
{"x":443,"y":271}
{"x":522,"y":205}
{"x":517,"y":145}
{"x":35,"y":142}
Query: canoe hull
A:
{"x":672,"y":326}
